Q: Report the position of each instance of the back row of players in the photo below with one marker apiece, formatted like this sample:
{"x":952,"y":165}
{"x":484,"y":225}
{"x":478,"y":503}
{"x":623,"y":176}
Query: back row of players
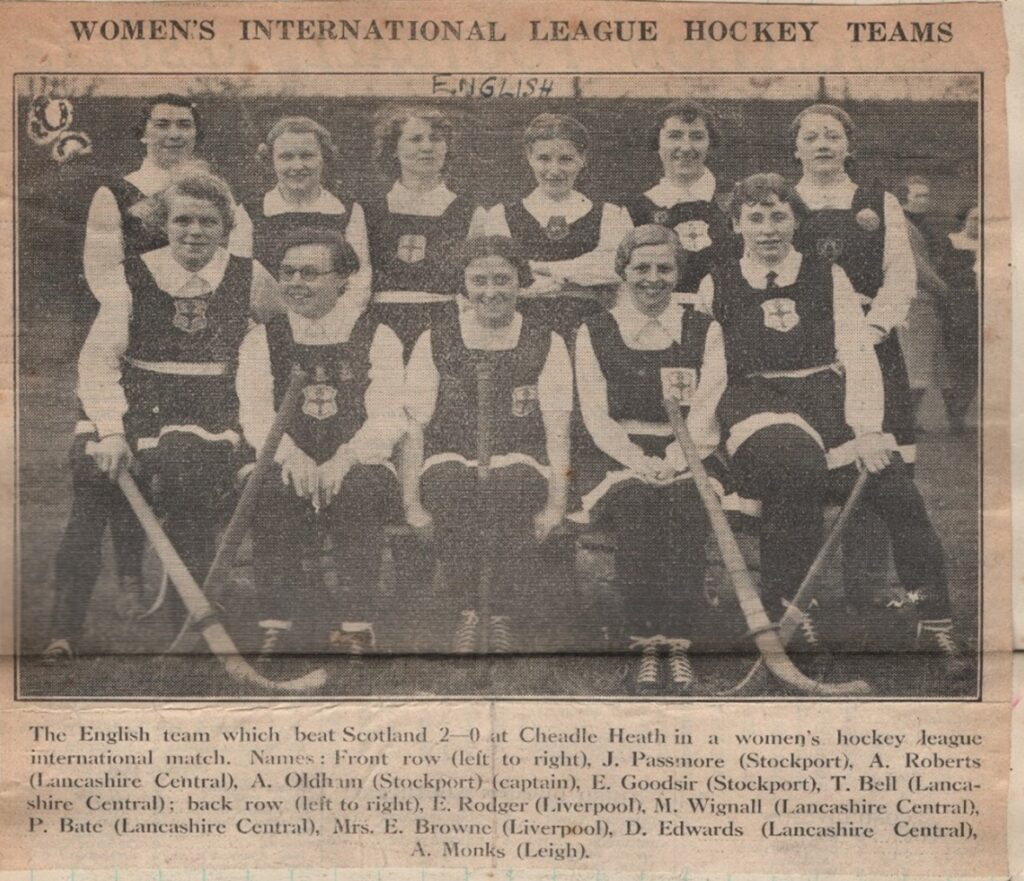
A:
{"x":773,"y":325}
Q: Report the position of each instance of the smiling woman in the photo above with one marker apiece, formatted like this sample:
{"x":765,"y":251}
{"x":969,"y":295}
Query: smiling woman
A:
{"x":302,"y":154}
{"x":489,"y":396}
{"x":415,"y":229}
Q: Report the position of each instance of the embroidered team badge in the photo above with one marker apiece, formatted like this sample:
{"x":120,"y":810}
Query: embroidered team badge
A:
{"x":868,"y":219}
{"x":411,"y":248}
{"x":557,"y":228}
{"x":829,"y":249}
{"x":320,"y":399}
{"x":780,"y":314}
{"x":660,"y":217}
{"x":524,"y":400}
{"x":678,"y":384}
{"x":190,"y":314}
{"x":694,"y":235}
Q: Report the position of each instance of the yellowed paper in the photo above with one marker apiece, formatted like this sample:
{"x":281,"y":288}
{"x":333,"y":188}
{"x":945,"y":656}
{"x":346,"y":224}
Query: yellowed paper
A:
{"x":554,"y":757}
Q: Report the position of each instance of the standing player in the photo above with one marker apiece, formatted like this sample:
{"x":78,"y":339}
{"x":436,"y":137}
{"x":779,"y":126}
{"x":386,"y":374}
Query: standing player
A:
{"x":628,"y":361}
{"x":416,"y":228}
{"x":333,"y":458}
{"x":803,"y":405}
{"x":684,"y":199}
{"x":527,"y":426}
{"x":863,"y":230}
{"x":169,"y":128}
{"x":301,"y":153}
{"x":569,"y":239}
{"x":156,"y":379}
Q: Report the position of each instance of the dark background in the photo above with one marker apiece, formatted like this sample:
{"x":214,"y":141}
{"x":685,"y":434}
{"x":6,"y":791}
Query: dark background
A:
{"x":936,"y":138}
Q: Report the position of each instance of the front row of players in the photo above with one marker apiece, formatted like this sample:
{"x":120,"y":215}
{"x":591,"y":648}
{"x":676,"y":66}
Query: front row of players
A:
{"x":783,"y":372}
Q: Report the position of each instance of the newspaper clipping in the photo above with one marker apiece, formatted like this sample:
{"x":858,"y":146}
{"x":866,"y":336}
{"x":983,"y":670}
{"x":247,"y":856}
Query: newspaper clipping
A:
{"x":505,"y":439}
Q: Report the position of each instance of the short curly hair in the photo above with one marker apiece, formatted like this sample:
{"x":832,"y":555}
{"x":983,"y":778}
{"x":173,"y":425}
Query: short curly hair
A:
{"x":343,"y":256}
{"x":172,"y":99}
{"x":477,"y":247}
{"x":837,"y":113}
{"x":387,"y":129}
{"x":762,"y":189}
{"x":198,"y":185}
{"x":642,"y":236}
{"x":299,"y":125}
{"x":556,"y":126}
{"x":686,"y":111}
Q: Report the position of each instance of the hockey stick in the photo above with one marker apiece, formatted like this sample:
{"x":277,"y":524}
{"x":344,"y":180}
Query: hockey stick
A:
{"x":199,"y":608}
{"x":791,"y":620}
{"x":241,"y":519}
{"x":484,"y":407}
{"x":765,"y":634}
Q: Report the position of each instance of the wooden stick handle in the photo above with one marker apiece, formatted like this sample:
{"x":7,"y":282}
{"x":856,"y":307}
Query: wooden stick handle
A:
{"x":241,"y":519}
{"x":791,"y":620}
{"x":765,"y":634}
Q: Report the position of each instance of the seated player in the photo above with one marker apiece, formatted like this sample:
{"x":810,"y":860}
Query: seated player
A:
{"x":333,"y":458}
{"x":684,"y":198}
{"x":802,"y":411}
{"x":627,"y":360}
{"x":416,"y":228}
{"x":156,"y":373}
{"x":526,"y":424}
{"x":169,"y":129}
{"x":569,"y":239}
{"x":302,"y":155}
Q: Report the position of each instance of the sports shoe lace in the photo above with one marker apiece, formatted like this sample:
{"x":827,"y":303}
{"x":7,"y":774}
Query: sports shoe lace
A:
{"x":501,"y":634}
{"x":271,"y":637}
{"x":465,"y":633}
{"x":805,"y":623}
{"x":648,"y":646}
{"x":679,"y":666}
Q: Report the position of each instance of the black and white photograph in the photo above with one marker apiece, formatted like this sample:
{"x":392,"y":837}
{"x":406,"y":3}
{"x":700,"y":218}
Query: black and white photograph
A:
{"x":534,"y":386}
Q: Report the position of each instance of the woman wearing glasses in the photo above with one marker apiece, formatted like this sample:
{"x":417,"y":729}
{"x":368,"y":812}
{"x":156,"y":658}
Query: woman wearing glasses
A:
{"x":333,"y":458}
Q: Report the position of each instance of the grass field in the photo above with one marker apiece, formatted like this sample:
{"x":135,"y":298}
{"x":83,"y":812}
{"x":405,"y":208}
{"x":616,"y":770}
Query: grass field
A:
{"x":568,"y":655}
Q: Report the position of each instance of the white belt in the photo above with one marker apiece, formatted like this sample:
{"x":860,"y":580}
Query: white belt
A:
{"x":655,"y":429}
{"x":835,"y":367}
{"x":411,"y":297}
{"x":181,"y":368}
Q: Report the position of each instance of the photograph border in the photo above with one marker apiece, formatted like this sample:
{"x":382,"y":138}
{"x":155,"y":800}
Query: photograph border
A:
{"x":17,"y":696}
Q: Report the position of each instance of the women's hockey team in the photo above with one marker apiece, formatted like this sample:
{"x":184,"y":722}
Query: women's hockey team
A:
{"x":486,"y":377}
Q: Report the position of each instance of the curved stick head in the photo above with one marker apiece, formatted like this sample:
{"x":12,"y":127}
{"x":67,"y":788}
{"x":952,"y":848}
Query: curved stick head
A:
{"x":241,"y":671}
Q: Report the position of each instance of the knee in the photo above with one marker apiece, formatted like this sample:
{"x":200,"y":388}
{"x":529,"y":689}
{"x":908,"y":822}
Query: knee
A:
{"x":192,"y":470}
{"x":782,"y":460}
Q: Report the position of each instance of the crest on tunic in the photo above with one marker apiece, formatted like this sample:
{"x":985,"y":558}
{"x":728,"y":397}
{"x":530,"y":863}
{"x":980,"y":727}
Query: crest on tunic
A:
{"x":190,"y":314}
{"x":319,"y":398}
{"x":678,"y":384}
{"x":694,"y":235}
{"x":411,"y":248}
{"x":557,"y":228}
{"x":524,"y":400}
{"x":829,"y":249}
{"x":660,"y":217}
{"x":780,"y":314}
